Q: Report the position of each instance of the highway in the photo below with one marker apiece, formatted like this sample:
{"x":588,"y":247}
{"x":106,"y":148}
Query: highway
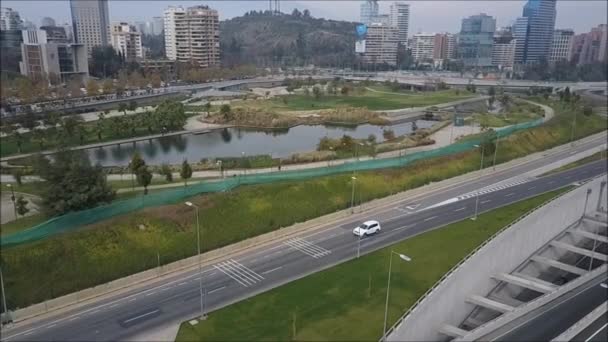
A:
{"x":175,"y":299}
{"x":596,"y":331}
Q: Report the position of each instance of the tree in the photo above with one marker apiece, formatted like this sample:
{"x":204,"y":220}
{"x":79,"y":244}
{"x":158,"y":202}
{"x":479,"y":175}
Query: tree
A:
{"x":73,"y":183}
{"x":144,"y":177}
{"x":371,"y":139}
{"x":132,"y":106}
{"x":21,"y":205}
{"x":296,"y":13}
{"x":136,"y":163}
{"x":306,"y":13}
{"x":347,"y":142}
{"x":92,"y":87}
{"x":226,"y":112}
{"x":71,"y":123}
{"x":74,"y":88}
{"x":155,"y":80}
{"x":316,"y":92}
{"x":388,"y":134}
{"x":39,"y":135}
{"x":207,"y":107}
{"x":122,"y":107}
{"x":108,"y":86}
{"x":345,"y":90}
{"x":18,"y":140}
{"x":165,"y":170}
{"x":587,"y":110}
{"x":17,"y":174}
{"x":567,"y":94}
{"x":185,"y":172}
{"x":82,"y":132}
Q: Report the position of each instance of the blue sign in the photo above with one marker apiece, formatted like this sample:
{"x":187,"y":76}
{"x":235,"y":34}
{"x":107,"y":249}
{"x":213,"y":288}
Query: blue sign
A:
{"x":361,"y":30}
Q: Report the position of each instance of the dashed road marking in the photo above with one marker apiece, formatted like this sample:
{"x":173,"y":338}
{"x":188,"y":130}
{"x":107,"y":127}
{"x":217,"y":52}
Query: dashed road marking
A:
{"x":430,"y":218}
{"x":460,"y":209}
{"x":486,"y":201}
{"x":272,"y":270}
{"x":307,"y":247}
{"x":510,"y":194}
{"x":217,"y":289}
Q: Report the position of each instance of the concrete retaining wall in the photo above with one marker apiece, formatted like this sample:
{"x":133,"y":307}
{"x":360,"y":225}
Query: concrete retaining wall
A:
{"x":446,"y":303}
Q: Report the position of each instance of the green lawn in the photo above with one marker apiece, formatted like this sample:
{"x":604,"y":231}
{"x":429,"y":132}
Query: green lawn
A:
{"x":501,"y":120}
{"x":117,"y":247}
{"x":21,"y":224}
{"x":347,"y":302}
{"x":368,"y":99}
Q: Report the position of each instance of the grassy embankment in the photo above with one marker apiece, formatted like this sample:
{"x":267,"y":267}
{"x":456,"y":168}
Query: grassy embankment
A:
{"x":117,"y":247}
{"x":594,"y":157}
{"x":349,"y":299}
{"x":516,"y":113}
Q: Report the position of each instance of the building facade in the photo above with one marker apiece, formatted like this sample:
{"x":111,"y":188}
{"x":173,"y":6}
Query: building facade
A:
{"x":47,"y":21}
{"x":192,"y":35}
{"x":9,"y":19}
{"x":157,"y":26}
{"x":477,"y":40}
{"x":127,"y":40}
{"x":423,"y":46}
{"x":41,"y":58}
{"x":369,"y":11}
{"x":534,"y":31}
{"x":381,"y":44}
{"x":561,"y":47}
{"x":91,"y":22}
{"x":503,"y":51}
{"x":590,"y":47}
{"x":400,"y":18}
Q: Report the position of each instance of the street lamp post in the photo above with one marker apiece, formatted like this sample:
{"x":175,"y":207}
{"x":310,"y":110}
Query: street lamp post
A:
{"x":477,"y":192}
{"x":573,"y":129}
{"x":10,"y":186}
{"x":388,"y":286}
{"x":495,"y":152}
{"x":3,"y":294}
{"x":200,"y":266}
{"x":219,"y":165}
{"x":352,"y":196}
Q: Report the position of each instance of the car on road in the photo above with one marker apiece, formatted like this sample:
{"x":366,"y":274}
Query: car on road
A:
{"x":367,"y":228}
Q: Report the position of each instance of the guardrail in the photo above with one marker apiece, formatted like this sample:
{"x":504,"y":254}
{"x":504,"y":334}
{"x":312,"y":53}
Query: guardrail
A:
{"x":440,"y":282}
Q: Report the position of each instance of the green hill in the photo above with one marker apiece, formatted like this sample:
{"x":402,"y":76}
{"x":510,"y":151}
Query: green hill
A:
{"x":266,"y":39}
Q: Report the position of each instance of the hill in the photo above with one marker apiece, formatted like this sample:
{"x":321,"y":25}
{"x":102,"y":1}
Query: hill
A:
{"x":298,"y":38}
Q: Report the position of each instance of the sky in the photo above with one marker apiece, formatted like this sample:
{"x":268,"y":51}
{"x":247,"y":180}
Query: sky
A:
{"x":425,"y":16}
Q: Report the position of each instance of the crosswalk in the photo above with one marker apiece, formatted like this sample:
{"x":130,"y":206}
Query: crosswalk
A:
{"x":307,"y":247}
{"x":494,"y":187}
{"x":239,"y":272}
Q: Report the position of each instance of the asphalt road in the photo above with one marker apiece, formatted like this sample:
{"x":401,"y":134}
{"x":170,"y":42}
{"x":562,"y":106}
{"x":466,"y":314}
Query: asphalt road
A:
{"x":596,"y":331}
{"x":176,"y":299}
{"x":558,"y":318}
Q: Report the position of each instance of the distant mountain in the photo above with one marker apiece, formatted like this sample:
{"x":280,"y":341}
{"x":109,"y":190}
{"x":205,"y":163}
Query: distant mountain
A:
{"x":266,"y":39}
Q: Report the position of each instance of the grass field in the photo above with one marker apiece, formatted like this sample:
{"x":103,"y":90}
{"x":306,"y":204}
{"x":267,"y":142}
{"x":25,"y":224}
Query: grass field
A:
{"x":367,"y":99}
{"x":21,"y":224}
{"x":347,"y":302}
{"x":117,"y":247}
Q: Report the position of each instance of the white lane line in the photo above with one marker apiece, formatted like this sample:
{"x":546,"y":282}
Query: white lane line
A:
{"x":248,"y":270}
{"x":52,"y":325}
{"x":132,"y":300}
{"x":400,"y":228}
{"x":73,"y":318}
{"x":141,"y":316}
{"x":228,"y":272}
{"x":215,"y":290}
{"x":272,"y":270}
{"x":182,"y":283}
{"x":486,"y":201}
{"x":531,"y":188}
{"x":509,"y":195}
{"x":94,"y":312}
{"x":150,"y":293}
{"x":597,"y":332}
{"x":430,"y":218}
{"x":113,"y":305}
{"x":236,"y":270}
{"x":461,"y":209}
{"x":551,"y":182}
{"x":28,"y":333}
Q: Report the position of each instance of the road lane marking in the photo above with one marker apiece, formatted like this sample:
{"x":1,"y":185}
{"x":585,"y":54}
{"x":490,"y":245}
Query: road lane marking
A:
{"x":307,"y":247}
{"x":132,"y":300}
{"x":509,"y":195}
{"x":429,"y":218}
{"x":52,"y":325}
{"x":182,"y":283}
{"x":239,"y":272}
{"x":531,"y":188}
{"x":141,"y":316}
{"x":151,"y":293}
{"x":597,"y":332}
{"x":215,"y":290}
{"x":272,"y":270}
{"x":94,"y":312}
{"x":229,"y":273}
{"x":486,"y":201}
{"x":73,"y":318}
{"x":461,"y":209}
{"x":113,"y":305}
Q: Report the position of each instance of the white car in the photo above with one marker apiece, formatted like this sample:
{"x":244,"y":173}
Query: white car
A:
{"x":367,"y":228}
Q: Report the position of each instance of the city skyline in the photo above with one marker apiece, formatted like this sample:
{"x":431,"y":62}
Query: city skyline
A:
{"x":579,"y":15}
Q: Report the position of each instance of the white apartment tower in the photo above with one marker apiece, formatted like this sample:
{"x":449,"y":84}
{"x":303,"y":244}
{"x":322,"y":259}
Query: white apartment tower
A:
{"x":561,"y":48}
{"x":91,"y":22}
{"x":400,"y":18}
{"x":9,"y":19}
{"x":381,"y":44}
{"x":369,"y":11}
{"x":192,"y":35}
{"x":127,"y":40}
{"x":423,"y":46}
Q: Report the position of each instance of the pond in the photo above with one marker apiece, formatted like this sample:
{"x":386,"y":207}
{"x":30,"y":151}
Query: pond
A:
{"x":234,"y":142}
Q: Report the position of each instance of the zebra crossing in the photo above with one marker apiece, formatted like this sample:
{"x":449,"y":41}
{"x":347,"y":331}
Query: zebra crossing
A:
{"x":494,"y":187}
{"x":239,"y":272}
{"x":307,"y":247}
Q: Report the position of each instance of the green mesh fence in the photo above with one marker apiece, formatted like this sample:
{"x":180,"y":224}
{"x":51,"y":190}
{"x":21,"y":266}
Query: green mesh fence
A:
{"x":74,"y":220}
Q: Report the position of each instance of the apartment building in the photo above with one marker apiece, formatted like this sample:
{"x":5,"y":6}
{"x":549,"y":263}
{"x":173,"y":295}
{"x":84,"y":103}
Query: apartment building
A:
{"x":561,"y":47}
{"x":381,"y":44}
{"x":91,"y":22}
{"x":127,"y":40}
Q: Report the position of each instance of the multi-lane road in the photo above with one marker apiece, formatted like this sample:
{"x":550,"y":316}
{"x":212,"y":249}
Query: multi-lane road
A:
{"x":174,"y":299}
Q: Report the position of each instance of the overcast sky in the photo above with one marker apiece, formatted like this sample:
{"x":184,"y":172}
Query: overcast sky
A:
{"x":425,"y":16}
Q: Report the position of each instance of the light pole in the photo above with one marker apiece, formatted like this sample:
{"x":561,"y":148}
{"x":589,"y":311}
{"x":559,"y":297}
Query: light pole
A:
{"x":219,"y":165}
{"x":388,"y":285}
{"x":477,"y":192}
{"x":329,"y":160}
{"x":3,"y":294}
{"x":200,"y":266}
{"x":586,"y":201}
{"x":495,"y":152}
{"x":573,"y":129}
{"x":243,"y":158}
{"x":10,"y":186}
{"x":352,"y":196}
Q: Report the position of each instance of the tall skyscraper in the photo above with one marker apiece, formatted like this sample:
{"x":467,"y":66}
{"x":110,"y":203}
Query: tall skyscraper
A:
{"x":91,"y":21}
{"x":192,"y":35}
{"x":477,"y":40}
{"x":157,"y":26}
{"x":127,"y":40}
{"x":9,"y":19}
{"x":369,"y":11}
{"x":400,"y":18}
{"x":534,"y":31}
{"x":503,"y":51}
{"x":561,"y":48}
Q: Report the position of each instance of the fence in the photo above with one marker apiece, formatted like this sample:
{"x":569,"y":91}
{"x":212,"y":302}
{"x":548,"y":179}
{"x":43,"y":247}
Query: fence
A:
{"x":74,"y":220}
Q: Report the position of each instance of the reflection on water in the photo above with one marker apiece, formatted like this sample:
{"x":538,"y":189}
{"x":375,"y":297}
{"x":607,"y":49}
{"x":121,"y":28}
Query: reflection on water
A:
{"x":232,"y":142}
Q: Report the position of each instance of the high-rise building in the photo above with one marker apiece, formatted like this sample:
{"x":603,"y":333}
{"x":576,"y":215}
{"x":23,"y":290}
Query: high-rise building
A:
{"x":91,"y":21}
{"x":452,"y":46}
{"x":127,"y":40}
{"x":369,"y":11}
{"x":381,"y":44}
{"x":503,"y":51}
{"x":561,"y":48}
{"x":55,"y":34}
{"x":591,"y":47}
{"x":423,"y":46}
{"x":383,"y":19}
{"x":476,"y":40}
{"x":9,"y":19}
{"x":40,"y":58}
{"x":192,"y":35}
{"x":534,"y":31}
{"x":28,"y":25}
{"x":47,"y":21}
{"x":157,"y":25}
{"x":400,"y":18}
